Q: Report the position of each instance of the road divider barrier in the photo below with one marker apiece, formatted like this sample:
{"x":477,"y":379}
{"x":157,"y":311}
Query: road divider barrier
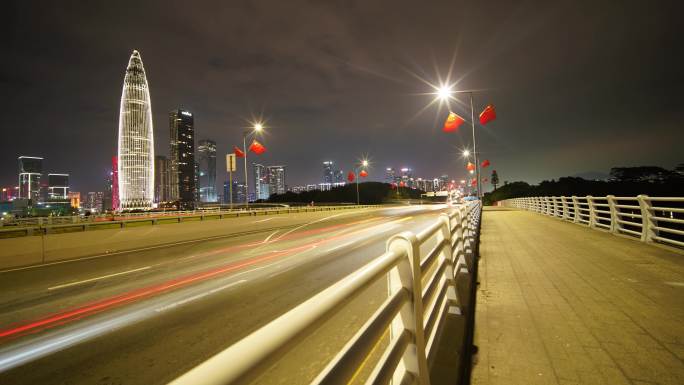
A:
{"x":650,"y":219}
{"x":421,"y":270}
{"x":48,"y":225}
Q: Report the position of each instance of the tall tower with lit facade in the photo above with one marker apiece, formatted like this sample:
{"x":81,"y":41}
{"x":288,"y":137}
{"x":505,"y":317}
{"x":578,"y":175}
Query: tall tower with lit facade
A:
{"x":182,"y":158}
{"x":136,"y":140}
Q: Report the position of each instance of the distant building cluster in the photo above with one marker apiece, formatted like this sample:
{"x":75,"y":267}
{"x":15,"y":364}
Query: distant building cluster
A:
{"x":405,"y":178}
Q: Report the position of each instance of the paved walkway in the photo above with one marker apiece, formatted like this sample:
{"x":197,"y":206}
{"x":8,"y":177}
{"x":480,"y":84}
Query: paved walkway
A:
{"x":559,"y":303}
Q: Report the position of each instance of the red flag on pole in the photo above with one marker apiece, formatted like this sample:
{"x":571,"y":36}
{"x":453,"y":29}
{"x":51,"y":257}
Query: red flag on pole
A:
{"x":257,"y":147}
{"x":473,"y":182}
{"x":487,"y":115}
{"x":470,"y":167}
{"x":238,"y":153}
{"x":485,"y":163}
{"x":452,"y":123}
{"x":350,"y":176}
{"x":363,"y":174}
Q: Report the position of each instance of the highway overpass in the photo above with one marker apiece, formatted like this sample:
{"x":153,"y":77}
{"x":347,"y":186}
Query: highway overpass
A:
{"x":335,"y":297}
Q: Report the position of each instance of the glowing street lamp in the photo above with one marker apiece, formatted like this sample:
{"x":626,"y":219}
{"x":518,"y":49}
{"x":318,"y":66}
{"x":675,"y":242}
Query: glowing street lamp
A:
{"x":444,"y":93}
{"x":364,"y":164}
{"x":257,"y":128}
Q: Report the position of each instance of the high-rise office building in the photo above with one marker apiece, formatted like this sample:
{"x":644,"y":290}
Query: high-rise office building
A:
{"x":136,"y":139}
{"x":328,"y":171}
{"x":407,"y":177}
{"x":30,"y":171}
{"x":161,"y":179}
{"x":107,"y":201}
{"x":206,"y":156}
{"x":93,"y":201}
{"x":115,"y":184}
{"x":58,"y":186}
{"x":238,"y":192}
{"x":261,"y":185}
{"x":75,"y":199}
{"x":276,"y":179}
{"x":390,"y":176}
{"x":182,"y":158}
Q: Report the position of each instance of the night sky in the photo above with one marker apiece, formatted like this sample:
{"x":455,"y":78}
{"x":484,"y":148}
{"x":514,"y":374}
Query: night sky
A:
{"x":578,"y":86}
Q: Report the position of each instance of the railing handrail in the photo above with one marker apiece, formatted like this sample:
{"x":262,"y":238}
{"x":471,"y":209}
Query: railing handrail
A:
{"x":654,"y":218}
{"x":403,"y":312}
{"x":44,"y":226}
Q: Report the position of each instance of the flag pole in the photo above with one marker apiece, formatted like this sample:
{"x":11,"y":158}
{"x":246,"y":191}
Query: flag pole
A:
{"x":477,"y":163}
{"x":244,"y":150}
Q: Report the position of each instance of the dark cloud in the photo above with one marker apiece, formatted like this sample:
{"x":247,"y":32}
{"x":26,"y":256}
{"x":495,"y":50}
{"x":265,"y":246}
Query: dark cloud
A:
{"x":578,"y":85}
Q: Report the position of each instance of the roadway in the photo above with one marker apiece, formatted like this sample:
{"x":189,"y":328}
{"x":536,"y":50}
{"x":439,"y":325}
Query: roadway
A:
{"x":147,"y":316}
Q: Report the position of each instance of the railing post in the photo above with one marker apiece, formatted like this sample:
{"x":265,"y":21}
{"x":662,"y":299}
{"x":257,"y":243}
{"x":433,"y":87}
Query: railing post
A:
{"x":566,"y":211}
{"x":648,"y":230}
{"x":452,"y":266}
{"x":614,"y":224}
{"x":576,"y":209}
{"x":592,"y":214}
{"x":407,"y":275}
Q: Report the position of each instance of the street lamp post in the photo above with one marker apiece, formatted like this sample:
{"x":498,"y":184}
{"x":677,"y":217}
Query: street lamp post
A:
{"x":444,"y":93}
{"x":364,"y":163}
{"x":256,"y":129}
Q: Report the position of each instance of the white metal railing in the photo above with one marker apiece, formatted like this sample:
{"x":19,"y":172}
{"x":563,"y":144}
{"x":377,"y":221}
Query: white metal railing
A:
{"x":651,"y":219}
{"x":421,"y":293}
{"x":45,"y":225}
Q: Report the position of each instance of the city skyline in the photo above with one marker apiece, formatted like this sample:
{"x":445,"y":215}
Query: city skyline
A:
{"x":318,"y":96}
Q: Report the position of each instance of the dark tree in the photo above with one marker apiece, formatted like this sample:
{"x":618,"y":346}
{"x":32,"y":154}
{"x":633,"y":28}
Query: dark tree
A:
{"x":495,"y":179}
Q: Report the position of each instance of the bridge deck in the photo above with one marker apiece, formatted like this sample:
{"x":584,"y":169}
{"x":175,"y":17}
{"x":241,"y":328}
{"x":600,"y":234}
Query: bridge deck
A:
{"x":559,"y":303}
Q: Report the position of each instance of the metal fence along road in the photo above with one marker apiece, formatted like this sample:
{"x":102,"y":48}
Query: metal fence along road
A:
{"x":651,"y":219}
{"x":38,"y":226}
{"x":421,"y":271}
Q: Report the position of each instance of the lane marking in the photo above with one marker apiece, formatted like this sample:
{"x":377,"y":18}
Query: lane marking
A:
{"x":340,"y":246}
{"x":198,"y":296}
{"x":97,"y":278}
{"x":264,"y":220}
{"x":269,"y":237}
{"x":306,"y":224}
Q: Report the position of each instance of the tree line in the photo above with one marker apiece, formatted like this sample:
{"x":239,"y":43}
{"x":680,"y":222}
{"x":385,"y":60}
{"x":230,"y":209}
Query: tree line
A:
{"x":623,"y":181}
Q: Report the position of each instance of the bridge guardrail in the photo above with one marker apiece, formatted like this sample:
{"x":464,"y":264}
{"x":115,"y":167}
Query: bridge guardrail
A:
{"x":44,"y":227}
{"x":422,"y":291}
{"x":651,"y":219}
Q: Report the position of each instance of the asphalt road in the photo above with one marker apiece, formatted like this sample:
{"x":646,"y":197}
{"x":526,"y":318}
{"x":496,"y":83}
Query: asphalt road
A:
{"x":146,"y":317}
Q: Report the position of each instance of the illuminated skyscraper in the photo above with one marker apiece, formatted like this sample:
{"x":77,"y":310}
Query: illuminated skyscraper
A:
{"x":58,"y":186}
{"x":136,"y":140}
{"x":276,"y":179}
{"x":182,"y":158}
{"x":206,"y":154}
{"x":328,"y":171}
{"x":30,"y":171}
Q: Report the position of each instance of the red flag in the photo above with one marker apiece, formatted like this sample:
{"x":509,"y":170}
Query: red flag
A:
{"x":485,"y":163}
{"x":470,"y":167}
{"x":363,"y":174}
{"x":350,"y":176}
{"x":487,"y":115}
{"x":402,"y":184}
{"x":257,"y":147}
{"x":452,"y":123}
{"x":238,"y":153}
{"x":473,"y":182}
